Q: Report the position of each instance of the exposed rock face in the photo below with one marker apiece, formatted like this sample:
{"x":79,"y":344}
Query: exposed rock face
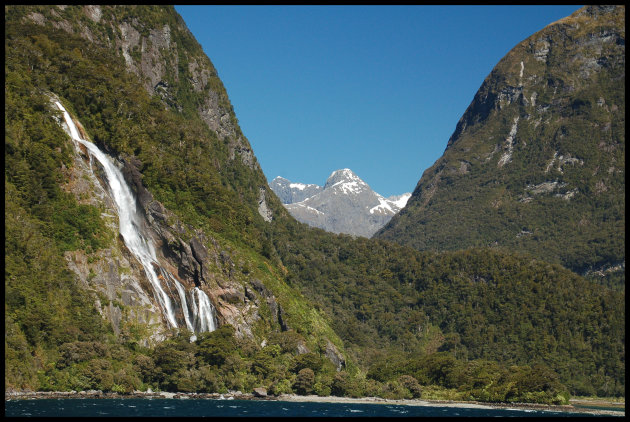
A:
{"x":154,"y":54}
{"x":290,"y":193}
{"x":346,"y":204}
{"x":334,"y":356}
{"x":127,"y":298}
{"x":263,"y":209}
{"x":532,"y":150}
{"x":268,"y":297}
{"x":259,"y":392}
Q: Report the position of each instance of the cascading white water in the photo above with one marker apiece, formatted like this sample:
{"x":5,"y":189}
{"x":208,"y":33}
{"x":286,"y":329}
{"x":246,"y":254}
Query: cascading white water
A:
{"x":204,"y":315}
{"x":142,"y":248}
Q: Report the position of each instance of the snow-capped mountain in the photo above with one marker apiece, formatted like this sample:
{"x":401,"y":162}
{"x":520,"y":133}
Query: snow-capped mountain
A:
{"x":346,"y":204}
{"x":289,"y":192}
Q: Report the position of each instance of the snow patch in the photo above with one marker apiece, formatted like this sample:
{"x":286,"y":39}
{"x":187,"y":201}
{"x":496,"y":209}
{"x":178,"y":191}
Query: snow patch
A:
{"x":402,"y":201}
{"x":389,"y":205}
{"x":382,"y":207}
{"x":353,"y":187}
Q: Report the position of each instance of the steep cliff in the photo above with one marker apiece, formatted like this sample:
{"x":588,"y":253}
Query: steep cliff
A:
{"x":536,"y":163}
{"x":139,"y":87}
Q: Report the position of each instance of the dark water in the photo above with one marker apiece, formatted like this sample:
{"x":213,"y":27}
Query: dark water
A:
{"x":255,"y":408}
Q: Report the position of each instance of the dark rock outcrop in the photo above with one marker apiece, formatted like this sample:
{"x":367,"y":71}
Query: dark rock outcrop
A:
{"x":333,"y":354}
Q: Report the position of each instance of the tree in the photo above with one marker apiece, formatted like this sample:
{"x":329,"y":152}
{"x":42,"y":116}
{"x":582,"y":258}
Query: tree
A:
{"x":303,"y":384}
{"x":216,"y":346}
{"x":411,"y":384}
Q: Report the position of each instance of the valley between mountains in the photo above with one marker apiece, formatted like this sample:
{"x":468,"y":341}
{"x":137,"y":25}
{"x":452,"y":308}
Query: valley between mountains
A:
{"x":146,"y":251}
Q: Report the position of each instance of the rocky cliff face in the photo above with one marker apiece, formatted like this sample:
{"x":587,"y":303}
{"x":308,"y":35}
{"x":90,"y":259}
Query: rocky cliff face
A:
{"x":536,"y":163}
{"x":163,"y":53}
{"x":289,"y":192}
{"x":151,"y":47}
{"x":196,"y":259}
{"x":345,"y":204}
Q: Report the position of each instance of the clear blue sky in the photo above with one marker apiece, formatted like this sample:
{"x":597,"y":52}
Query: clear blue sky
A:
{"x":377,"y":89}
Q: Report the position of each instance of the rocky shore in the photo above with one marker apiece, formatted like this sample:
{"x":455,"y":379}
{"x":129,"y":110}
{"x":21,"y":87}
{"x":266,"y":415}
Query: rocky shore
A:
{"x":260,"y":394}
{"x":97,"y":394}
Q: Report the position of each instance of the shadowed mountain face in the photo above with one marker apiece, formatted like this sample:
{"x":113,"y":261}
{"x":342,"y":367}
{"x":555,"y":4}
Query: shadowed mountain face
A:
{"x":536,"y":163}
{"x":346,"y":204}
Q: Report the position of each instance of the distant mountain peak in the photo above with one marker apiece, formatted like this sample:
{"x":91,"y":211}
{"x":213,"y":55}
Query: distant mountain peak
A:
{"x":346,"y":204}
{"x":290,"y":192}
{"x":347,"y":182}
{"x":343,"y":174}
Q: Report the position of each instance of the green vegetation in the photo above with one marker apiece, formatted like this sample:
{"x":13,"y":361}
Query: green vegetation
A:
{"x":219,"y":362}
{"x":473,"y":304}
{"x":44,"y":306}
{"x":478,"y":324}
{"x":570,"y":135}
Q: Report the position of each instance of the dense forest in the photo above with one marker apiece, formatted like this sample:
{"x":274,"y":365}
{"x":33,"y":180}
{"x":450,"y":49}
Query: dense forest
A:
{"x":476,"y":324}
{"x":473,"y":304}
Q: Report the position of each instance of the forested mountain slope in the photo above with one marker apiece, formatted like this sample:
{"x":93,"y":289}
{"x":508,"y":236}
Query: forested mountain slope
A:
{"x":138,"y":86}
{"x":537,"y":162}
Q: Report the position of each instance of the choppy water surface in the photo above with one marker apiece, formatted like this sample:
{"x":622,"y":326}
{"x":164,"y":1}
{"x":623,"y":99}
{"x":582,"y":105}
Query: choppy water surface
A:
{"x":257,"y":408}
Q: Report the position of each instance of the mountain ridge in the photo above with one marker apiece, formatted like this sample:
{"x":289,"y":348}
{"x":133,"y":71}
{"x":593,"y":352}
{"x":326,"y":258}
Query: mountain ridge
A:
{"x":345,"y":204}
{"x":536,"y":162}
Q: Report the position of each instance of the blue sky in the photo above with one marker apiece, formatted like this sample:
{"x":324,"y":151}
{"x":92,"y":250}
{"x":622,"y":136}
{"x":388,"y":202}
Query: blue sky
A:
{"x":377,"y":89}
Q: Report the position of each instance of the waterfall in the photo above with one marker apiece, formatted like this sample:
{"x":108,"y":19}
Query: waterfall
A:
{"x":198,"y":319}
{"x":204,"y":315}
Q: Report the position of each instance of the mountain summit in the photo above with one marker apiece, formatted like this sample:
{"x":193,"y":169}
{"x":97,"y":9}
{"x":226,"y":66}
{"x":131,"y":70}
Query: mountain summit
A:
{"x":536,"y":164}
{"x":346,"y":204}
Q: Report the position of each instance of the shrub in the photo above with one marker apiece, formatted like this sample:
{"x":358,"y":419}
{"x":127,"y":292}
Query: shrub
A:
{"x":216,"y":346}
{"x":303,"y":384}
{"x":282,"y":386}
{"x":344,"y":385}
{"x":411,"y":384}
{"x":80,"y":351}
{"x":307,"y":360}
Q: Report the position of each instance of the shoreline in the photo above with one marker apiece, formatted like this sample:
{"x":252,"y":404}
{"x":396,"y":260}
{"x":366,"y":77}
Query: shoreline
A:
{"x":95,"y":394}
{"x":460,"y":404}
